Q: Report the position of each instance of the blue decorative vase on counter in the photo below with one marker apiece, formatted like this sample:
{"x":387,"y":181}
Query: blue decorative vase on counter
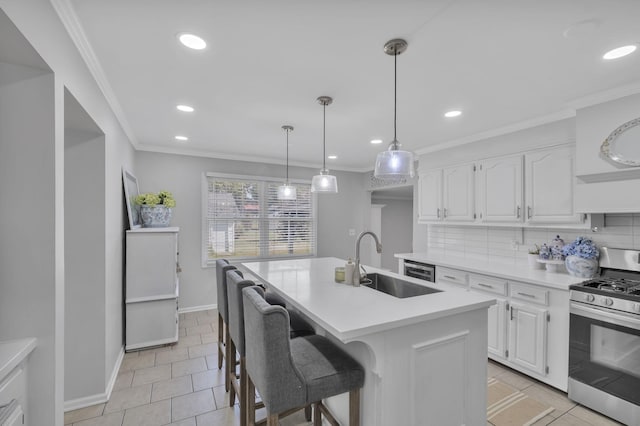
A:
{"x":581,"y":267}
{"x":157,"y":216}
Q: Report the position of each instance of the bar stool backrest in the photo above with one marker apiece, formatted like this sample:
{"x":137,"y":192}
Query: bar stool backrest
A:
{"x":222,"y":266}
{"x":235,"y":285}
{"x":268,"y":354}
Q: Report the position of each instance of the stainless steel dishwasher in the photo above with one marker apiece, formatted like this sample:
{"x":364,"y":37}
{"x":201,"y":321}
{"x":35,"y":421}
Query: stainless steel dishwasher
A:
{"x":423,"y":271}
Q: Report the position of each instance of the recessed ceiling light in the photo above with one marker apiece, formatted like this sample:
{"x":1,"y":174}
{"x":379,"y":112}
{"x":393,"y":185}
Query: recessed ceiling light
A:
{"x":376,"y":141}
{"x":182,"y":138}
{"x":619,"y":52}
{"x":332,"y":157}
{"x":454,"y":113}
{"x":185,"y":108}
{"x":192,"y":41}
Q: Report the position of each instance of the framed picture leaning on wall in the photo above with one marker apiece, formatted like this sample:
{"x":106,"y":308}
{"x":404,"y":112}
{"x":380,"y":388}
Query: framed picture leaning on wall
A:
{"x":131,"y":191}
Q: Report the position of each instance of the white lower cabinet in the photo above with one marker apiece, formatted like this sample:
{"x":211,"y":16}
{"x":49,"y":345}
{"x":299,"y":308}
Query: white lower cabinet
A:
{"x":498,"y":328}
{"x":528,"y":337}
{"x":525,"y":318}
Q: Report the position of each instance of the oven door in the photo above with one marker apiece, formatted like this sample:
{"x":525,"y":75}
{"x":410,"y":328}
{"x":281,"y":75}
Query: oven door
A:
{"x":604,"y":350}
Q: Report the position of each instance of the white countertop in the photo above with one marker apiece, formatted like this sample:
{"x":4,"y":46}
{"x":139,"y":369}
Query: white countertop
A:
{"x":349,"y":312}
{"x":510,"y":271}
{"x":13,"y":352}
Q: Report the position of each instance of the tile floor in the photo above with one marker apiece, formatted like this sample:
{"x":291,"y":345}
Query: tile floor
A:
{"x":181,"y":385}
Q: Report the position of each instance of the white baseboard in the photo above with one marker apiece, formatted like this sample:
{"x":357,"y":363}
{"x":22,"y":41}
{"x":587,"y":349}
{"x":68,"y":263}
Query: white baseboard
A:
{"x":197,"y":308}
{"x":99,"y":398}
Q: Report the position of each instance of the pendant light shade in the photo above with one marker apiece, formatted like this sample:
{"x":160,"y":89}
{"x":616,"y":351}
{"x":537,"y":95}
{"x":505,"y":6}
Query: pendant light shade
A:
{"x":394,"y":163}
{"x":287,"y":191}
{"x":324,"y":182}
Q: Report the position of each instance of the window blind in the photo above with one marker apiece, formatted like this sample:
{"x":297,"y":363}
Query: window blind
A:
{"x":245,"y":220}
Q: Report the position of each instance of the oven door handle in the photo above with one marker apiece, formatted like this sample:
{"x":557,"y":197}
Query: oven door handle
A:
{"x":606,"y":315}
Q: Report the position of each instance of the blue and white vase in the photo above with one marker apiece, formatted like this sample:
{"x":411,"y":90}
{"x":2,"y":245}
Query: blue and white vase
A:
{"x":581,"y":267}
{"x":157,"y":216}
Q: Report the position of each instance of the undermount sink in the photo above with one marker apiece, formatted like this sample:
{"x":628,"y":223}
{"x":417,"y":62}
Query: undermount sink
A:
{"x":396,"y":287}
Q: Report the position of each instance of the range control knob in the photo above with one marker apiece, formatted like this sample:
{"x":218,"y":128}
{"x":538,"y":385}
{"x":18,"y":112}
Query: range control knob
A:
{"x":589,"y":297}
{"x":607,"y":301}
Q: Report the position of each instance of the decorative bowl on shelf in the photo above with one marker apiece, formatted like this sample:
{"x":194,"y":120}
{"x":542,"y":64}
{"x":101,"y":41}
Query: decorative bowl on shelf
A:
{"x":554,"y":266}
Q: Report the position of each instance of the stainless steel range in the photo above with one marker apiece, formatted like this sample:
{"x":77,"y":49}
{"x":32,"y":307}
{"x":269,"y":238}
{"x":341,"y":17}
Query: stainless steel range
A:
{"x":604,"y":338}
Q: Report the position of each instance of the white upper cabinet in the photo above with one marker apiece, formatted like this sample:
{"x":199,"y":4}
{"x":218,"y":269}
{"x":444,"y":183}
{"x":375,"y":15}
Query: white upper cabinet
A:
{"x":500,"y":186}
{"x":430,"y":196}
{"x":549,"y":186}
{"x":458,"y":193}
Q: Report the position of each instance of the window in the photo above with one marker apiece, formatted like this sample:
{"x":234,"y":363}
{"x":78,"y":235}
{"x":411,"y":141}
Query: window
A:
{"x":243,"y":219}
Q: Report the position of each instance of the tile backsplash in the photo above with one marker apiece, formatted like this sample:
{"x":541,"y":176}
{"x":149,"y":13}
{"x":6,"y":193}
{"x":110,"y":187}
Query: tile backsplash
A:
{"x":497,"y":243}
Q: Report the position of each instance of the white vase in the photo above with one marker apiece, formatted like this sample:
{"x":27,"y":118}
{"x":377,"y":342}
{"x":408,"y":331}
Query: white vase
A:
{"x":533,"y":262}
{"x":158,"y":216}
{"x":581,"y":267}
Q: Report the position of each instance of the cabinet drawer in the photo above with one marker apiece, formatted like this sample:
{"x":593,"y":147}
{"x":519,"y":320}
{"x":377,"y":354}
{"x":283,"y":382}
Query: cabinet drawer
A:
{"x":492,"y":285}
{"x":530,"y":293}
{"x":451,"y":276}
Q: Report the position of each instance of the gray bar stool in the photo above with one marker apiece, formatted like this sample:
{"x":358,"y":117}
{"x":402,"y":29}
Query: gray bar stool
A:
{"x":222,"y":266}
{"x":292,"y":373}
{"x":298,"y":326}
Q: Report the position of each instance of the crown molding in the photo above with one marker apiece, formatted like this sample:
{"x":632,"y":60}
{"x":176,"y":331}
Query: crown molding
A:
{"x":74,"y":28}
{"x":238,"y":157}
{"x":605,"y":96}
{"x":522,"y":125}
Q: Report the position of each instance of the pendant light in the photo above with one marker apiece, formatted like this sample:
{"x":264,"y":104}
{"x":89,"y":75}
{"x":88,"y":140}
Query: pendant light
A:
{"x":394,"y":163}
{"x":324,"y":182}
{"x":286,"y":191}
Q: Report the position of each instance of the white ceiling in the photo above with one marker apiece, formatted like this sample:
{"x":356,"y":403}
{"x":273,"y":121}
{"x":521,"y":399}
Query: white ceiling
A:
{"x":505,"y":63}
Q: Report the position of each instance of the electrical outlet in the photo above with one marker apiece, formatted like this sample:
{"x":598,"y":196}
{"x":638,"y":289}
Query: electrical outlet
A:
{"x":352,"y":232}
{"x":515,"y":245}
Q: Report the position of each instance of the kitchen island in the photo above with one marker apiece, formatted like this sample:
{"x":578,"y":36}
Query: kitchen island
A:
{"x":425,"y":357}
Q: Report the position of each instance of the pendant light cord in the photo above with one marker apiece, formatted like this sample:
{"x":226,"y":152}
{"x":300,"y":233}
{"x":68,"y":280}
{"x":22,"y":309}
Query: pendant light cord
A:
{"x":324,"y":144}
{"x":287,"y":178}
{"x":395,"y":98}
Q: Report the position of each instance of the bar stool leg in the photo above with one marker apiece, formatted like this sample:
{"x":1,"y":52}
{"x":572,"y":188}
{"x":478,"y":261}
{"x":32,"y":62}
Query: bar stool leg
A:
{"x":231,"y":363}
{"x":251,"y":402}
{"x":317,"y":414}
{"x":354,"y":407}
{"x":231,"y":371}
{"x":243,"y":392}
{"x":272,"y":420}
{"x":220,"y":340}
{"x":307,"y":413}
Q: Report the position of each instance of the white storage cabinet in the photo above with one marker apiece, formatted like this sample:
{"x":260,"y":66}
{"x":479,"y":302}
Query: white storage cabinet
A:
{"x":152,"y":287}
{"x":447,"y":195}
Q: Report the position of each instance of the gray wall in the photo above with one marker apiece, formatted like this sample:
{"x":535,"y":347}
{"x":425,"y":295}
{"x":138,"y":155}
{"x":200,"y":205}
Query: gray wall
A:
{"x":397,"y":229}
{"x":32,"y":293}
{"x":337,"y":213}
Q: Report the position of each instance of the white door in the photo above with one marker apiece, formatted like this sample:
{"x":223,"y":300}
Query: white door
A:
{"x":458,"y":189}
{"x":528,"y":337}
{"x":500,"y":190}
{"x":430,"y":196}
{"x":549,"y":180}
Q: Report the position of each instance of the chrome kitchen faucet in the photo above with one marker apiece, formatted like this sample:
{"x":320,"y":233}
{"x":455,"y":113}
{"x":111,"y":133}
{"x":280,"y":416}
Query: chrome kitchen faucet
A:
{"x":357,"y":277}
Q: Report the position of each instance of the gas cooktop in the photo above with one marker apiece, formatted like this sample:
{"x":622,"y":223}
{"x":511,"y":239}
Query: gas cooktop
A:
{"x":614,"y":285}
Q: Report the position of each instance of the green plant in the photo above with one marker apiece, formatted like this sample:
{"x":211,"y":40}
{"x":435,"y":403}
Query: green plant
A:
{"x":163,"y":198}
{"x":535,"y":249}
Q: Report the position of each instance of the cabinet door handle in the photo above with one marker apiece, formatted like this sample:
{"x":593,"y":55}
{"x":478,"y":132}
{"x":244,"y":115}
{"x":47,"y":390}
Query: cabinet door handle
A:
{"x":511,"y":313}
{"x":518,"y":212}
{"x":528,"y":212}
{"x":527,"y":295}
{"x":450,"y":277}
{"x":438,"y":213}
{"x":445,"y":213}
{"x":485,"y":285}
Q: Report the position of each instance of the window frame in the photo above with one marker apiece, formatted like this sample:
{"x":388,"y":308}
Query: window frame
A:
{"x":263,"y":217}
